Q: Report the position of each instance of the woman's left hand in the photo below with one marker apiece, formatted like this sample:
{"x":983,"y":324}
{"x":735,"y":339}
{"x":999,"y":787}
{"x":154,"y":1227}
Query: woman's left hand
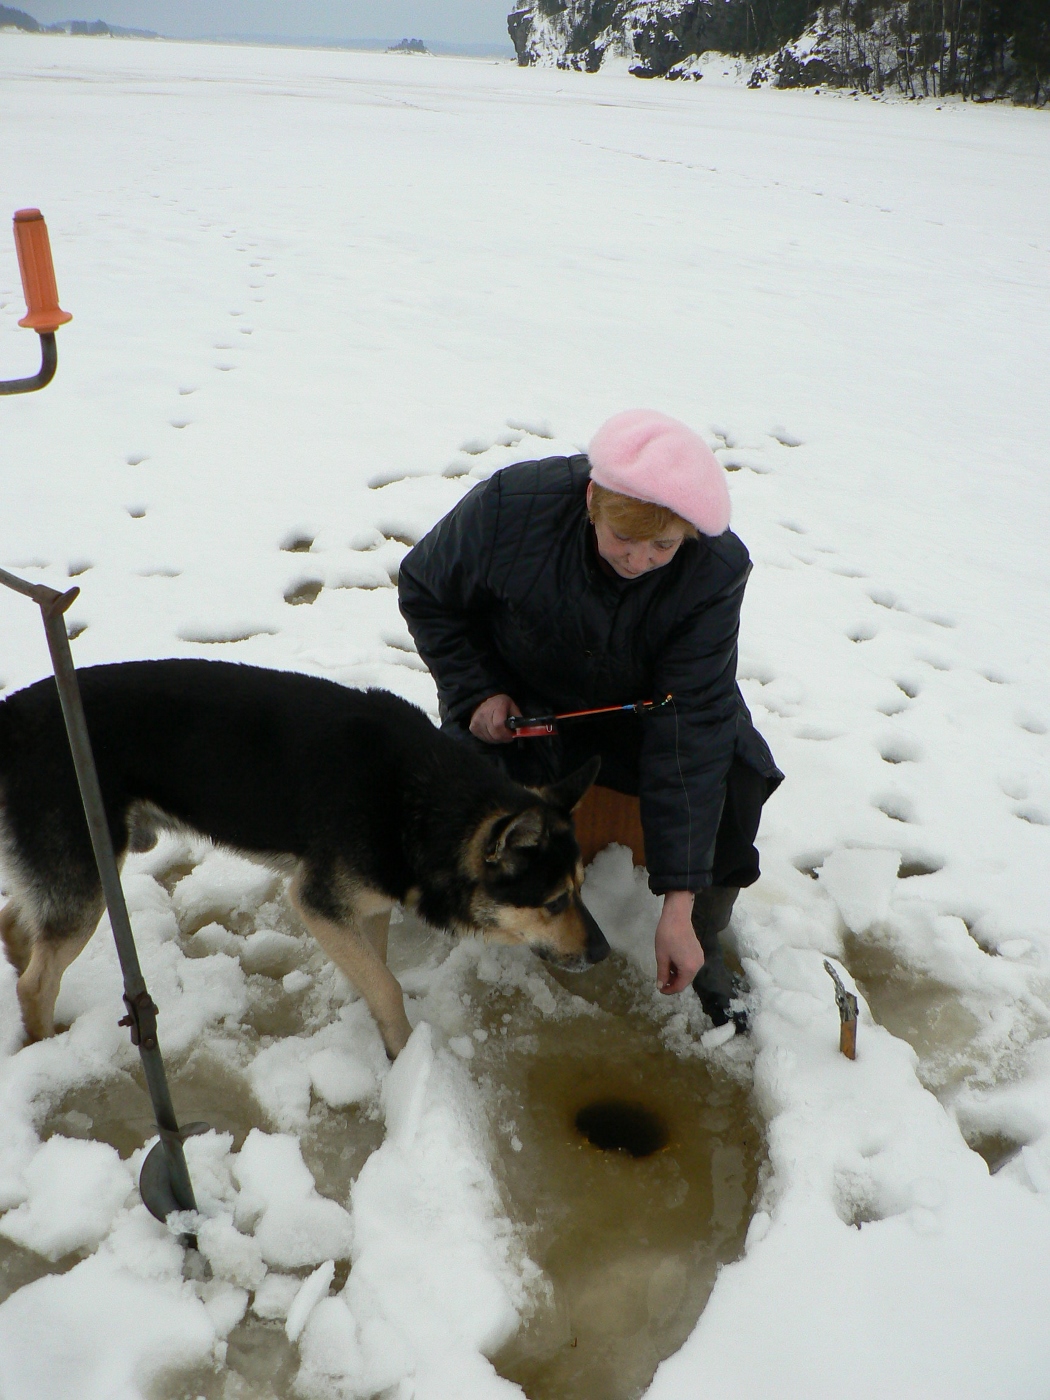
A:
{"x":679,"y":956}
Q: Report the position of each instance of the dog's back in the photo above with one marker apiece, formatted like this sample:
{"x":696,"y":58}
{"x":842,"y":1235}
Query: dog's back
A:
{"x":270,"y":762}
{"x":354,"y":791}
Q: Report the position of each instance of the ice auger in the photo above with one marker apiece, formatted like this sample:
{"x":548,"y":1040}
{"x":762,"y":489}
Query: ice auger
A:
{"x":164,"y":1182}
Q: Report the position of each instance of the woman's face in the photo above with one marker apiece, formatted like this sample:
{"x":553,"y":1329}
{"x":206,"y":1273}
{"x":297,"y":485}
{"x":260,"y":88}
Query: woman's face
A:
{"x":632,"y":558}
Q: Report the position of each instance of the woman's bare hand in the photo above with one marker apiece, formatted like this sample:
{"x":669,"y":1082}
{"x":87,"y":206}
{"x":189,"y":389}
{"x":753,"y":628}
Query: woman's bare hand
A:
{"x":679,"y":956}
{"x":489,"y":720}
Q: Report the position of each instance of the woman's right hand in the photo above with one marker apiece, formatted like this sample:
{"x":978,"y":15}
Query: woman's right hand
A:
{"x":489,"y":720}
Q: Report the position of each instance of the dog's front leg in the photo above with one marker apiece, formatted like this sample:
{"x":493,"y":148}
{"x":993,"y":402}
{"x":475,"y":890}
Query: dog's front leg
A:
{"x":354,"y":953}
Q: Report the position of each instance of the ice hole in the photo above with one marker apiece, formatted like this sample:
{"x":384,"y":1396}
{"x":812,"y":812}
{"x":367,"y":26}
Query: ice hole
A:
{"x":631,"y":1169}
{"x":614,"y":1125}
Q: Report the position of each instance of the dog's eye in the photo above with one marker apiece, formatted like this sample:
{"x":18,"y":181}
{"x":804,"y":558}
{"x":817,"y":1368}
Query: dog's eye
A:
{"x":559,"y":905}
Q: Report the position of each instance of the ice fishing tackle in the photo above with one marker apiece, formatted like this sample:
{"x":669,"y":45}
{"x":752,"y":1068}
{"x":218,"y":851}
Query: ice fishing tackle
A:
{"x":543,"y":726}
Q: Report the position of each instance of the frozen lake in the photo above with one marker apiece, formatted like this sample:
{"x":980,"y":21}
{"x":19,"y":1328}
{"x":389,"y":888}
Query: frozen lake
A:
{"x":317,"y":295}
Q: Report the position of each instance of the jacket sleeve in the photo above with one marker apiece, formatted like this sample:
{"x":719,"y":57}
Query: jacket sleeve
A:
{"x":444,"y":598}
{"x":687,"y":748}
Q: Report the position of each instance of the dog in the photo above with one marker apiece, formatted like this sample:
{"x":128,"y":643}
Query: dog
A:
{"x":354,"y":793}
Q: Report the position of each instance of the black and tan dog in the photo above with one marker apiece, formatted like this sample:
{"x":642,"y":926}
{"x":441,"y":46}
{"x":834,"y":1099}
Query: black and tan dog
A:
{"x":354,"y":793}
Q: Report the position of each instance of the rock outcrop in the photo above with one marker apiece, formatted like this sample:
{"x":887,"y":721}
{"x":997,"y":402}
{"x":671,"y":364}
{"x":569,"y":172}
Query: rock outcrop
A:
{"x":969,"y":47}
{"x":656,"y":37}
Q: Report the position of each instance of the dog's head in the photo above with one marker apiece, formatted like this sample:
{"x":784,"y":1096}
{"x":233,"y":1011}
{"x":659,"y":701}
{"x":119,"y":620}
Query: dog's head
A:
{"x":528,"y":872}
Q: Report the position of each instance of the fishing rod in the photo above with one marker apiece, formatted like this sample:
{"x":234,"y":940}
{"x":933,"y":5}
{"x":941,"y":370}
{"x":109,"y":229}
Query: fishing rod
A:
{"x":543,"y":726}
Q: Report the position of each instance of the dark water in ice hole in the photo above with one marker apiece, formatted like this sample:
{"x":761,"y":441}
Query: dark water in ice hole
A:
{"x":631,"y":1244}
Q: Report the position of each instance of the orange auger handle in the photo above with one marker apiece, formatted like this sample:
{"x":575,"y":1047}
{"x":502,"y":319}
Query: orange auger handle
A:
{"x":43,"y":313}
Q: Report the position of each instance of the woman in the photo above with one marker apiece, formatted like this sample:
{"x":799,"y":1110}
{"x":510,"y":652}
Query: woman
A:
{"x":604,"y":579}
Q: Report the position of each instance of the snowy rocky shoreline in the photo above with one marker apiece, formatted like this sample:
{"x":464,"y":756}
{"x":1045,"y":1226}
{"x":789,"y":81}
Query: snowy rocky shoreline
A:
{"x":872,"y":47}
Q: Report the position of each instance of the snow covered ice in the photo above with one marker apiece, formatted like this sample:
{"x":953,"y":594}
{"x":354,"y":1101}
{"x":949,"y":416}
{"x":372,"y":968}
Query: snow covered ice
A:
{"x":316,"y":296}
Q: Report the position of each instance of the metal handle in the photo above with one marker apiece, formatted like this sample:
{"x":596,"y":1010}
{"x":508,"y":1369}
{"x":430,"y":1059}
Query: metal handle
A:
{"x":43,"y":314}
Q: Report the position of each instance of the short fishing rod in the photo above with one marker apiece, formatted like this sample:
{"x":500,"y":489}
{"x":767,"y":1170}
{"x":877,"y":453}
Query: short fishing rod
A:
{"x":543,"y":726}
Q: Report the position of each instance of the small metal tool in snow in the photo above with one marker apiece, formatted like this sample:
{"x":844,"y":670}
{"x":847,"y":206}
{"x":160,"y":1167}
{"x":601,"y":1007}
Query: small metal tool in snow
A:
{"x":848,"y":1008}
{"x":164,"y":1182}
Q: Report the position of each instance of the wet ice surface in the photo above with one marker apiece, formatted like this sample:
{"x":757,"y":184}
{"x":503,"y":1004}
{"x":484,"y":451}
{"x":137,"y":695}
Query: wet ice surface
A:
{"x":275,"y":382}
{"x":630,"y":1245}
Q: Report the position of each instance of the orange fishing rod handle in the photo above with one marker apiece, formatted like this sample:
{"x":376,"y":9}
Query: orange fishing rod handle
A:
{"x":43,"y":313}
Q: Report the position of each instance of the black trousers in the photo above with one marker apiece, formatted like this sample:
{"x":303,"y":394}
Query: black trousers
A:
{"x":617,"y":739}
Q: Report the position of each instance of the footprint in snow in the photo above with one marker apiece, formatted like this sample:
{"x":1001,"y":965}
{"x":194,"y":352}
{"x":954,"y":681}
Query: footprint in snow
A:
{"x":897,"y":806}
{"x":135,"y":459}
{"x":899,"y":748}
{"x":307,"y":590}
{"x":784,"y":437}
{"x":819,"y":732}
{"x":886,"y":598}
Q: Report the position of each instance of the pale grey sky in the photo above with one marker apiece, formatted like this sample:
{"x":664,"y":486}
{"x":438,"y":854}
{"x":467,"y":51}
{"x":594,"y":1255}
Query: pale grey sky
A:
{"x":448,"y":21}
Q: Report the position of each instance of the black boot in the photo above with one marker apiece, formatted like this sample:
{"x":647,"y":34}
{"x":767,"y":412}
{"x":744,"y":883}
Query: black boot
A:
{"x":714,"y":984}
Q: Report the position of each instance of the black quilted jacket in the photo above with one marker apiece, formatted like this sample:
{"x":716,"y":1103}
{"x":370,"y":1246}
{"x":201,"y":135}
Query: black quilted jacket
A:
{"x":505,"y":594}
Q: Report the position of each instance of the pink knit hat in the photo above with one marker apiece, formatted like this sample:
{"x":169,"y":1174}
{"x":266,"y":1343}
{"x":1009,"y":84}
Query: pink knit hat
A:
{"x":651,"y":457}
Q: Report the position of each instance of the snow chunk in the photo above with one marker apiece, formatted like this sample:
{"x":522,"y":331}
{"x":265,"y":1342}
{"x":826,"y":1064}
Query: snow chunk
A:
{"x":861,"y":883}
{"x":433,"y":1288}
{"x":310,"y":1294}
{"x":233,"y":1256}
{"x":99,"y":1333}
{"x":74,"y":1190}
{"x":340,"y":1078}
{"x":294,"y":1225}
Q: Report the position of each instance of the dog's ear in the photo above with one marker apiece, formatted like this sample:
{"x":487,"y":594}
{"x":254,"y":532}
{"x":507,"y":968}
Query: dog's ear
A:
{"x":519,"y":831}
{"x":570,"y":792}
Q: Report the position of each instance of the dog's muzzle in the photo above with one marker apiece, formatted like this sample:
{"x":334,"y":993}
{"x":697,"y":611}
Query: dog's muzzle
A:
{"x":597,"y":944}
{"x":595,"y":948}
